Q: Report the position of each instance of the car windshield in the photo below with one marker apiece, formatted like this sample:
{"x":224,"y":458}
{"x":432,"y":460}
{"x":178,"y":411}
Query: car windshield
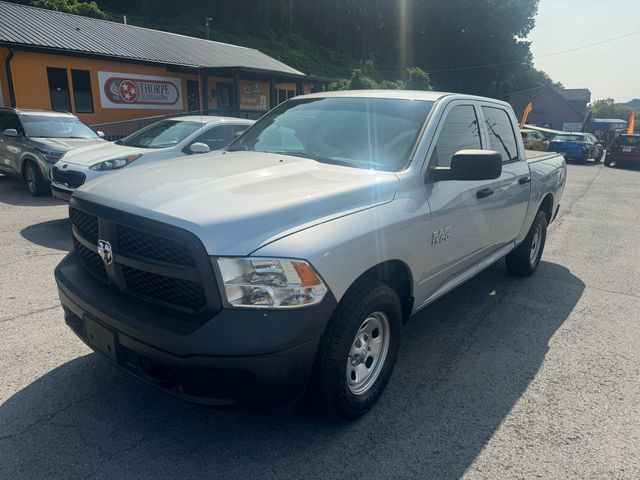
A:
{"x":164,"y":134}
{"x":569,"y":138}
{"x":45,"y":126}
{"x":627,"y":141}
{"x":369,"y":133}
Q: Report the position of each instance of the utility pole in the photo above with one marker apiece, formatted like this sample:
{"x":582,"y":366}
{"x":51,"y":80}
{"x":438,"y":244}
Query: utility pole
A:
{"x":206,"y":23}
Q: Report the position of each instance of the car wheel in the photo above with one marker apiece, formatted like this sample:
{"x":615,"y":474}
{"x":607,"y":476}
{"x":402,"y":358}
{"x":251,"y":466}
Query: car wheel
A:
{"x":357,"y":352}
{"x":524,"y":260}
{"x":36,"y":184}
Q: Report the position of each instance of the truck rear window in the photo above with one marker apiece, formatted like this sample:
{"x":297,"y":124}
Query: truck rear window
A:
{"x":368,"y":133}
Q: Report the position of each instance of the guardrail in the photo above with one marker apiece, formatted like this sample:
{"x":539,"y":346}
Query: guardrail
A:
{"x":117,"y":130}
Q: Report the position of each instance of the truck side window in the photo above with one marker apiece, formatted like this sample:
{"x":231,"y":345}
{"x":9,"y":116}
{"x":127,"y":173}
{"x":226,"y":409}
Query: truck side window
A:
{"x":459,"y":132}
{"x":501,"y":136}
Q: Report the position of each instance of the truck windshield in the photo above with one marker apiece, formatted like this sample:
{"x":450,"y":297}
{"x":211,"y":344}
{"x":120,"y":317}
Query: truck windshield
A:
{"x":368,"y":133}
{"x":164,"y":134}
{"x":47,"y":126}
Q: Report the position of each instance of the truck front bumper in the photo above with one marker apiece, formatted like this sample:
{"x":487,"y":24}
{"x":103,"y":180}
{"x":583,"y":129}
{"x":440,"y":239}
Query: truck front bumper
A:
{"x":236,"y":357}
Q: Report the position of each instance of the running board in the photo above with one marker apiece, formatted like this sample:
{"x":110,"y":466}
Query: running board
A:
{"x":466,"y":275}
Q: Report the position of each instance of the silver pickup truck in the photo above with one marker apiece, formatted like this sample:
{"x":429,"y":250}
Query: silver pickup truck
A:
{"x":284,"y":267}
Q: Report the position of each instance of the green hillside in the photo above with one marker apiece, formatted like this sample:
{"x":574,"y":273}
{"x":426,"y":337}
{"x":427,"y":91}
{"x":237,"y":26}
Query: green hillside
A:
{"x":469,"y":46}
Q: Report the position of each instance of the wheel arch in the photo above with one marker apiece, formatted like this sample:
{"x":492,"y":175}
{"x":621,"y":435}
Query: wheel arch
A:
{"x":547,"y":206}
{"x":397,"y":275}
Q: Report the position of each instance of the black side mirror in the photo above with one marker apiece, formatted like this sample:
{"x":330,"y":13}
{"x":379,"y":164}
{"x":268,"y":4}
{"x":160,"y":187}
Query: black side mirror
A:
{"x":470,"y":165}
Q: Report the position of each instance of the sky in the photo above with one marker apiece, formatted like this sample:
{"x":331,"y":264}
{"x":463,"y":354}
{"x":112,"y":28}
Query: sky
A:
{"x":608,"y":70}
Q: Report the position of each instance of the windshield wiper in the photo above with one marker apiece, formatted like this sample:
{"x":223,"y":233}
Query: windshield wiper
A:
{"x":237,"y":149}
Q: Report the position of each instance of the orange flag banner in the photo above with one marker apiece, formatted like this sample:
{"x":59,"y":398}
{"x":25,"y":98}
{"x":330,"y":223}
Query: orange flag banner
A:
{"x":632,"y":123}
{"x":527,"y":111}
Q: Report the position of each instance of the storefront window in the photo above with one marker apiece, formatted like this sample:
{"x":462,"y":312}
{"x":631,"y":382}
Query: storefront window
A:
{"x":59,"y":89}
{"x":82,"y":95}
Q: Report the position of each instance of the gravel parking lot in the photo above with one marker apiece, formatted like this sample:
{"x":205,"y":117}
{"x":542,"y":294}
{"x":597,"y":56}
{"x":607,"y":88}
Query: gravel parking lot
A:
{"x":503,"y":378}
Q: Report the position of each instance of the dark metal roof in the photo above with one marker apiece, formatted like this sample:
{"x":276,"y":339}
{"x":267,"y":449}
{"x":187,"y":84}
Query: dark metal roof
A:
{"x":30,"y":27}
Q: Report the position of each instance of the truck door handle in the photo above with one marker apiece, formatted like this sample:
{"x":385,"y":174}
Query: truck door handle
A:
{"x":524,"y":180}
{"x":485,"y":192}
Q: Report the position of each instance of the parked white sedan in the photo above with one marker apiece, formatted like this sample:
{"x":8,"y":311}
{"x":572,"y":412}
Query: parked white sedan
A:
{"x":165,"y":139}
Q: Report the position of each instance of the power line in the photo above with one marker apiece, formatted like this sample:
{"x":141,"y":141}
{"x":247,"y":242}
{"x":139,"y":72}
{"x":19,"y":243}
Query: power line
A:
{"x":513,"y":62}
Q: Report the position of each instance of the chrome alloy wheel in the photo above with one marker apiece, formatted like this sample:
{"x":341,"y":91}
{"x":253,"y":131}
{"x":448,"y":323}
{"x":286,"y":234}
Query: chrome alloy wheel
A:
{"x":368,"y":353}
{"x":535,"y":245}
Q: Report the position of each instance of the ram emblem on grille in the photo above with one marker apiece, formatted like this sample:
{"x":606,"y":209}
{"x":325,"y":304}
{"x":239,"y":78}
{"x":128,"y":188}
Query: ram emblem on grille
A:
{"x":105,"y":252}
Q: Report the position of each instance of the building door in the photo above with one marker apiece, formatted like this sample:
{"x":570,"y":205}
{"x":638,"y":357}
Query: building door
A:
{"x":193,"y":95}
{"x":224,"y":96}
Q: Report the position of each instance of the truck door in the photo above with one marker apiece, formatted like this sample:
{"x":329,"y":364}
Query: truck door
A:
{"x":460,"y":210}
{"x":513,"y":188}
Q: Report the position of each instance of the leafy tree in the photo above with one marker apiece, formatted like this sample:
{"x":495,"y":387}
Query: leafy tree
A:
{"x":608,"y":108}
{"x":469,"y":46}
{"x":87,"y":9}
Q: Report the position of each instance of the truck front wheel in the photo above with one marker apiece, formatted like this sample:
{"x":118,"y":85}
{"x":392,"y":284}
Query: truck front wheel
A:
{"x":524,"y":260}
{"x":357,"y":351}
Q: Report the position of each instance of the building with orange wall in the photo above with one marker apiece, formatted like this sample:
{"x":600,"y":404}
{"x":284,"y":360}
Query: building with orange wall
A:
{"x":110,"y":72}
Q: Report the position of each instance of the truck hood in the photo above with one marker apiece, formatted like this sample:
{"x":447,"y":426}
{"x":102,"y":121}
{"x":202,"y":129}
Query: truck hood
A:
{"x":66,"y":144}
{"x":92,"y":154}
{"x":237,"y":202}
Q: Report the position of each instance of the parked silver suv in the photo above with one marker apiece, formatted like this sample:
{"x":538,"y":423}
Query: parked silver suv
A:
{"x":31,"y":141}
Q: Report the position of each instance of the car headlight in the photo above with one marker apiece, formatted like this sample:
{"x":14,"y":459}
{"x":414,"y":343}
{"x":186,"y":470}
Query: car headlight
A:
{"x":51,"y":156}
{"x":115,"y":163}
{"x":270,"y":283}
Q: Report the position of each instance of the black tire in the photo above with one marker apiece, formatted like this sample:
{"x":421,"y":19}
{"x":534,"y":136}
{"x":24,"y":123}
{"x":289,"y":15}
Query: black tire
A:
{"x":330,"y":393}
{"x":520,"y":261}
{"x":36,"y":184}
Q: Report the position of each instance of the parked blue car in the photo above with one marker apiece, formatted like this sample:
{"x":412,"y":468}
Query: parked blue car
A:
{"x":577,"y":146}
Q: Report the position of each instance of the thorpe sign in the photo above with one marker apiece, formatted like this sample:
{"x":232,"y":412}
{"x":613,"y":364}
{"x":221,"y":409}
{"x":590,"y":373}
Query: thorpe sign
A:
{"x":128,"y":90}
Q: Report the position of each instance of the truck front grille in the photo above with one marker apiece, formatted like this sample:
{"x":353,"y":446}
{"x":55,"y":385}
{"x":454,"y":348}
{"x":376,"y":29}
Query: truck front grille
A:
{"x":91,"y":260}
{"x":136,"y":242}
{"x":184,"y":293}
{"x":153,"y":262}
{"x":70,"y":178}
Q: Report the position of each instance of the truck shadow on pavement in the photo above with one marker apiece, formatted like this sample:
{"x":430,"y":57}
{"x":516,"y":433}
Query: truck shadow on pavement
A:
{"x":52,"y":234}
{"x":464,"y":364}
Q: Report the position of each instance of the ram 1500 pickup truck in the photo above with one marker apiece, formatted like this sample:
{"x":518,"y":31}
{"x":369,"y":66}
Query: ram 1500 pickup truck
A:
{"x":284,"y":267}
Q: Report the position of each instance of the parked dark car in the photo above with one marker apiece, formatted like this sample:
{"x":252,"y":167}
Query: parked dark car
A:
{"x":577,"y":146}
{"x":624,"y":149}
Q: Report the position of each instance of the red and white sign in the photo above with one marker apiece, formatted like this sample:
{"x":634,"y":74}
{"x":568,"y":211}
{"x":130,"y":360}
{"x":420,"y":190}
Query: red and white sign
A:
{"x":128,"y":90}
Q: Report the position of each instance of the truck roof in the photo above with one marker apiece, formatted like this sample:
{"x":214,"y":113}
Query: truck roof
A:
{"x":400,"y":94}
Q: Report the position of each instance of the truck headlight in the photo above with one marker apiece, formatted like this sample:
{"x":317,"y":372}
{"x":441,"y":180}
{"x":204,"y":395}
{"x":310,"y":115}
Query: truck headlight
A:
{"x":115,"y":163}
{"x":270,"y":283}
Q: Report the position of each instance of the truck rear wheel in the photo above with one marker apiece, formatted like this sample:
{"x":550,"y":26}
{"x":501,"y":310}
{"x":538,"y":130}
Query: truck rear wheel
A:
{"x":357,"y":351}
{"x":524,"y":260}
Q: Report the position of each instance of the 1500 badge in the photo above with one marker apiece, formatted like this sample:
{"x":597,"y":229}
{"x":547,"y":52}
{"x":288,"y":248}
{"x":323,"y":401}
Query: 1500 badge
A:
{"x":441,"y":236}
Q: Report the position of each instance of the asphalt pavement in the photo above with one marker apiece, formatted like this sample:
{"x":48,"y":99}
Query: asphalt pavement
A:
{"x":502,"y":378}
